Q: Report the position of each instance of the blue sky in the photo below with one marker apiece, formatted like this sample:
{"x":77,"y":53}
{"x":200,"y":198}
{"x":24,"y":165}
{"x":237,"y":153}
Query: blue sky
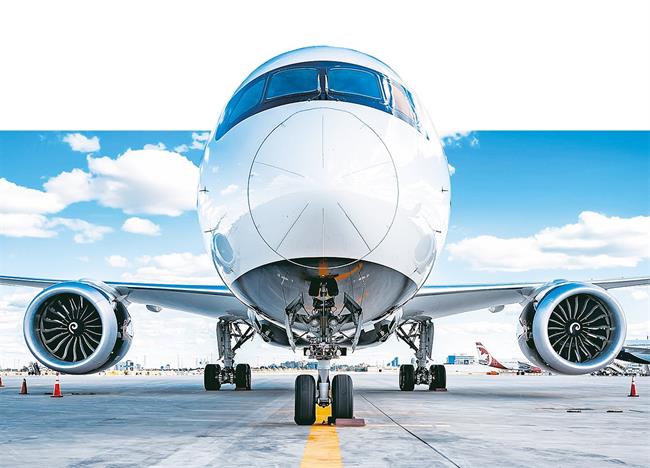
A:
{"x":511,"y":184}
{"x":547,"y":178}
{"x":510,"y":190}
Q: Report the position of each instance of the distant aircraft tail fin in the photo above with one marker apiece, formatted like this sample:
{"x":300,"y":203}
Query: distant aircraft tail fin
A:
{"x":485,"y":358}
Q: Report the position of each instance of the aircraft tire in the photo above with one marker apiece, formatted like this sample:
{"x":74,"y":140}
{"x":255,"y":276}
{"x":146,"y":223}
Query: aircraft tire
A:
{"x":305,"y":400}
{"x":439,"y":374}
{"x":211,"y":377}
{"x":406,"y":377}
{"x":342,"y":397}
{"x":243,"y":377}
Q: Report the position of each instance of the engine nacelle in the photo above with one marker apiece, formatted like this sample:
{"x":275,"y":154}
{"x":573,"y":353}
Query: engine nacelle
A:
{"x":572,"y":328}
{"x":77,"y":327}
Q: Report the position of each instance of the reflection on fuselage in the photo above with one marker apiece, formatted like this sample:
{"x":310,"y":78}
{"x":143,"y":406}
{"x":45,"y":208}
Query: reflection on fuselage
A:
{"x":351,"y":190}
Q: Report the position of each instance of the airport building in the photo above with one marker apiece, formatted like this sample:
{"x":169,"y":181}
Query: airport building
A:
{"x":462,"y":359}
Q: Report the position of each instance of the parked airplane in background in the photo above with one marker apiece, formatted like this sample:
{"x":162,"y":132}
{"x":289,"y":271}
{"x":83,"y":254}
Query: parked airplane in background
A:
{"x":344,"y":212}
{"x":636,"y":351}
{"x":486,"y":359}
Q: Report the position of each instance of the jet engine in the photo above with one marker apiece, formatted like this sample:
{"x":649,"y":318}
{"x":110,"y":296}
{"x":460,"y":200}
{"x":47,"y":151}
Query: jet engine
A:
{"x":572,"y":328}
{"x":78,"y":327}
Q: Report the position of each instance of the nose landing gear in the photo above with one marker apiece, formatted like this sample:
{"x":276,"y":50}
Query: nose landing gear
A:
{"x":410,"y":376}
{"x":325,"y":330}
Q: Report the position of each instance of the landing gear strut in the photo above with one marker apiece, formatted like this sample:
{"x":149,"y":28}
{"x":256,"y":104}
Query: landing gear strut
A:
{"x":420,"y":331}
{"x":214,"y":375}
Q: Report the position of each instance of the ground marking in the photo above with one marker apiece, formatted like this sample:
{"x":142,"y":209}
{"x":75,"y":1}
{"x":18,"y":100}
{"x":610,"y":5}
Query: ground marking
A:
{"x":322,"y":447}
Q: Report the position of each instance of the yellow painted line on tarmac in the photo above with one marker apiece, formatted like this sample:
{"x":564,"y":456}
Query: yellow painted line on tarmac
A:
{"x":322,"y":447}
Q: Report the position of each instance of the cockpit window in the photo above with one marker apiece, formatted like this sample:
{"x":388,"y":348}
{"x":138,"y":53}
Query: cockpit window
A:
{"x":293,"y":81}
{"x":402,"y":102}
{"x":323,"y":81}
{"x":248,"y":98}
{"x":354,"y":81}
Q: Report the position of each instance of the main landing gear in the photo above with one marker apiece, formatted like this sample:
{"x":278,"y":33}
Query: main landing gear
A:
{"x":214,"y":375}
{"x":435,"y":376}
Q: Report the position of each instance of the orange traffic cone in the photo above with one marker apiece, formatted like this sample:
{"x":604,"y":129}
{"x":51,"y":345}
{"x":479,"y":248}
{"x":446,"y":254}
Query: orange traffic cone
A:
{"x":57,"y":388}
{"x":23,"y":387}
{"x":1,"y":384}
{"x":633,"y":392}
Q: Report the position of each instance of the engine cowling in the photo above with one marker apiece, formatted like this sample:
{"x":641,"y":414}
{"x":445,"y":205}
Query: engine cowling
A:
{"x":77,"y":327}
{"x":572,"y":328}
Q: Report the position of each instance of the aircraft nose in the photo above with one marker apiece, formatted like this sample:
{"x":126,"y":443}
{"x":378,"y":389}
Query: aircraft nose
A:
{"x":323,"y":184}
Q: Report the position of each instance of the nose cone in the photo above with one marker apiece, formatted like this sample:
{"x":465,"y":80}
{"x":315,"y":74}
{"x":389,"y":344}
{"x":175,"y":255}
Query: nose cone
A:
{"x":323,"y":184}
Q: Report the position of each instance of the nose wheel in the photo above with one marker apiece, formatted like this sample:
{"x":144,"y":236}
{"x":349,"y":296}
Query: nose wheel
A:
{"x":307,"y":397}
{"x":305,"y":402}
{"x":342,"y":399}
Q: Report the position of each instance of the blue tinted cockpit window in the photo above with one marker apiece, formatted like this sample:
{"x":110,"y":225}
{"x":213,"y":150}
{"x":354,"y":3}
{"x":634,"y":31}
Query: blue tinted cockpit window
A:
{"x":321,"y":80}
{"x":248,"y":98}
{"x":293,"y":81}
{"x":352,"y":81}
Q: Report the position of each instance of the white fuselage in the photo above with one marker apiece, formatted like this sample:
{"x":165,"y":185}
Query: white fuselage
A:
{"x":323,"y":187}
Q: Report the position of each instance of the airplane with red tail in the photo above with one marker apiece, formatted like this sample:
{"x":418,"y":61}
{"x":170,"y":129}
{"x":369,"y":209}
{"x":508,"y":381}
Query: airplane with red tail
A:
{"x":485,"y":358}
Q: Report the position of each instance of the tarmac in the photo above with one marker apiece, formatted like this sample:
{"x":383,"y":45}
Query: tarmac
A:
{"x":481,"y":421}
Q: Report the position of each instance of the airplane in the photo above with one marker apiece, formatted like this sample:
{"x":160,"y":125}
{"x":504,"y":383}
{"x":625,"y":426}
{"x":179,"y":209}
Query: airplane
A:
{"x":636,"y":351}
{"x":343,"y":212}
{"x":485,"y":358}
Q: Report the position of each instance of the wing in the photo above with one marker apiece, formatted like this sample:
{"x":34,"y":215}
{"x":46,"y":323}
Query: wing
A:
{"x":210,"y":301}
{"x":440,"y":301}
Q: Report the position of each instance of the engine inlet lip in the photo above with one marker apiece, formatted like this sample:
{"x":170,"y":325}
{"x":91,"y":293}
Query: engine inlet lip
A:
{"x":106,"y":342}
{"x":540,"y":328}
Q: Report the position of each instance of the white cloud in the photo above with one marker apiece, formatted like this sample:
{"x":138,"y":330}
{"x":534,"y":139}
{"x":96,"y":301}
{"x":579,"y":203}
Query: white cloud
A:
{"x":36,"y":225}
{"x":157,"y":146}
{"x":182,"y":268}
{"x":638,"y":330}
{"x":452,"y":169}
{"x":181,"y":148}
{"x":117,"y":261}
{"x":84,"y":258}
{"x":81,"y":143}
{"x":25,"y":225}
{"x":640,"y":294}
{"x":85,"y":232}
{"x":18,"y":199}
{"x":70,"y":187}
{"x":22,"y":208}
{"x":232,"y":188}
{"x":595,"y":241}
{"x":459,"y":138}
{"x":148,"y":181}
{"x":199,"y":140}
{"x":145,"y":181}
{"x":143,"y":226}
